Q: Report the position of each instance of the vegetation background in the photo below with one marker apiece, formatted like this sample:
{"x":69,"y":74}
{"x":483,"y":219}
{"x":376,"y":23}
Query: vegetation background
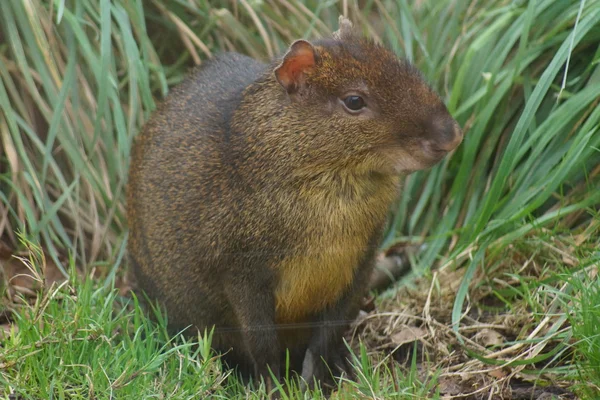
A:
{"x":510,"y":221}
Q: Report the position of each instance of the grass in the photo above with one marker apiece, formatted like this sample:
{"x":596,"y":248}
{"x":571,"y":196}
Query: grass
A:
{"x":78,"y":340}
{"x":586,"y":330}
{"x":81,"y":339}
{"x":78,"y":79}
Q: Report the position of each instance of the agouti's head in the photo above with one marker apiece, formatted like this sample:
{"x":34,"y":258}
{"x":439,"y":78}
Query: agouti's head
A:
{"x":386,"y":118}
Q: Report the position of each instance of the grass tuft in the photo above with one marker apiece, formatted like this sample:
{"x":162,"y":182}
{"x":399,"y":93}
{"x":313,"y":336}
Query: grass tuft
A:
{"x":585,"y":321}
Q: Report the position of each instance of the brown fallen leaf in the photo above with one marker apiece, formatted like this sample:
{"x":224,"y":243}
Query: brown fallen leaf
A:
{"x":489,"y":337}
{"x":21,"y":277}
{"x":408,"y":335}
{"x":449,"y":387}
{"x":6,"y":328}
{"x":368,"y":304}
{"x":391,"y":265}
{"x":498,"y":373}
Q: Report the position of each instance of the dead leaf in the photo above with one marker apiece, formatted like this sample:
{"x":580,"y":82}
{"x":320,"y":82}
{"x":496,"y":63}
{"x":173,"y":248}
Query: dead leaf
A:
{"x":6,"y":328}
{"x":449,"y":387}
{"x":368,"y":304}
{"x":497,"y":373}
{"x":408,"y":335}
{"x":5,"y":251}
{"x":19,"y":276}
{"x":489,"y":337}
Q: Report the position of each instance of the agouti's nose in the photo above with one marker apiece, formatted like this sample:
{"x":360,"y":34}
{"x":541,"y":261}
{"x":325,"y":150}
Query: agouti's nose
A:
{"x":445,"y":133}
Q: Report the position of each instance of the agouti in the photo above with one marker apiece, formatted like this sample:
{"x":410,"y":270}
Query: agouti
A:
{"x":258,"y":194}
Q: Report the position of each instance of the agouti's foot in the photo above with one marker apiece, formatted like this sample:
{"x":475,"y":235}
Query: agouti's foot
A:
{"x":314,"y":369}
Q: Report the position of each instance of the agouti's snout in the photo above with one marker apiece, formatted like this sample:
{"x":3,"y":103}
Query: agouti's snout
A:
{"x":448,"y":132}
{"x":443,"y":135}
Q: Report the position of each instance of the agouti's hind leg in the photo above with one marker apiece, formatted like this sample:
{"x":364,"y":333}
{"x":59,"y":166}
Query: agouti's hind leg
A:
{"x":254,"y":308}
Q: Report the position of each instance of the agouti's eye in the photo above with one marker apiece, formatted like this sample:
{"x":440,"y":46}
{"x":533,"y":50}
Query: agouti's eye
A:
{"x":354,"y":103}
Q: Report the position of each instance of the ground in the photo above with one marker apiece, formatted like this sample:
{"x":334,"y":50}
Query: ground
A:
{"x":514,"y":339}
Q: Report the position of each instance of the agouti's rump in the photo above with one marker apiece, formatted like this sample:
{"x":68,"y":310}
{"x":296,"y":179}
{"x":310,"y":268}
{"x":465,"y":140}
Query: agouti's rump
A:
{"x":258,"y":194}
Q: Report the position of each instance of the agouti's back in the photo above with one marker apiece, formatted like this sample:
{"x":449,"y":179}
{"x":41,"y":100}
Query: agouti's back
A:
{"x":258,"y":193}
{"x":175,"y":183}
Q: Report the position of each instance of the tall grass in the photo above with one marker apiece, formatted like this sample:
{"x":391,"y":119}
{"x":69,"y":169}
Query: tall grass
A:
{"x":78,"y":78}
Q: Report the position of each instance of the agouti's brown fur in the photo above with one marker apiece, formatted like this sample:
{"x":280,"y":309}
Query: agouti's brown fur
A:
{"x":258,"y":194}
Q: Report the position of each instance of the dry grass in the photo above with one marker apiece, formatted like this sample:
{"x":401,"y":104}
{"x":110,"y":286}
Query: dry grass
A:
{"x":514,"y":340}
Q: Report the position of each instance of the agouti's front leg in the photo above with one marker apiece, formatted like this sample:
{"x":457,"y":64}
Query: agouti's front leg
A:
{"x":254,"y":306}
{"x":326,"y":350}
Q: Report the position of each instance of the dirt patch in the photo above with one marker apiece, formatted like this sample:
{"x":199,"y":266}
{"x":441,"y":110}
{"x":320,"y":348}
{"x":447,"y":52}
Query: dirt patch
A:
{"x":513,"y":330}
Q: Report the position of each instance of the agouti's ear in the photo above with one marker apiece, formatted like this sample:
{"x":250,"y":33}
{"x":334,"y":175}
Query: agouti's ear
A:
{"x":299,"y":60}
{"x":346,"y":29}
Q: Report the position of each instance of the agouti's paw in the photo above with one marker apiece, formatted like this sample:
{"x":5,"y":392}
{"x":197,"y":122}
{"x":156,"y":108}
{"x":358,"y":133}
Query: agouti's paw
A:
{"x":341,"y":365}
{"x":314,"y":369}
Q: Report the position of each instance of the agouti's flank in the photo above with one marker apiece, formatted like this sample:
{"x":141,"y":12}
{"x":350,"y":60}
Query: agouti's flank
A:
{"x":258,"y":194}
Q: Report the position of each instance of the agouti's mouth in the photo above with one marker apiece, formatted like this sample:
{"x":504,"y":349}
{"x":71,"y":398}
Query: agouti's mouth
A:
{"x":433,"y":150}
